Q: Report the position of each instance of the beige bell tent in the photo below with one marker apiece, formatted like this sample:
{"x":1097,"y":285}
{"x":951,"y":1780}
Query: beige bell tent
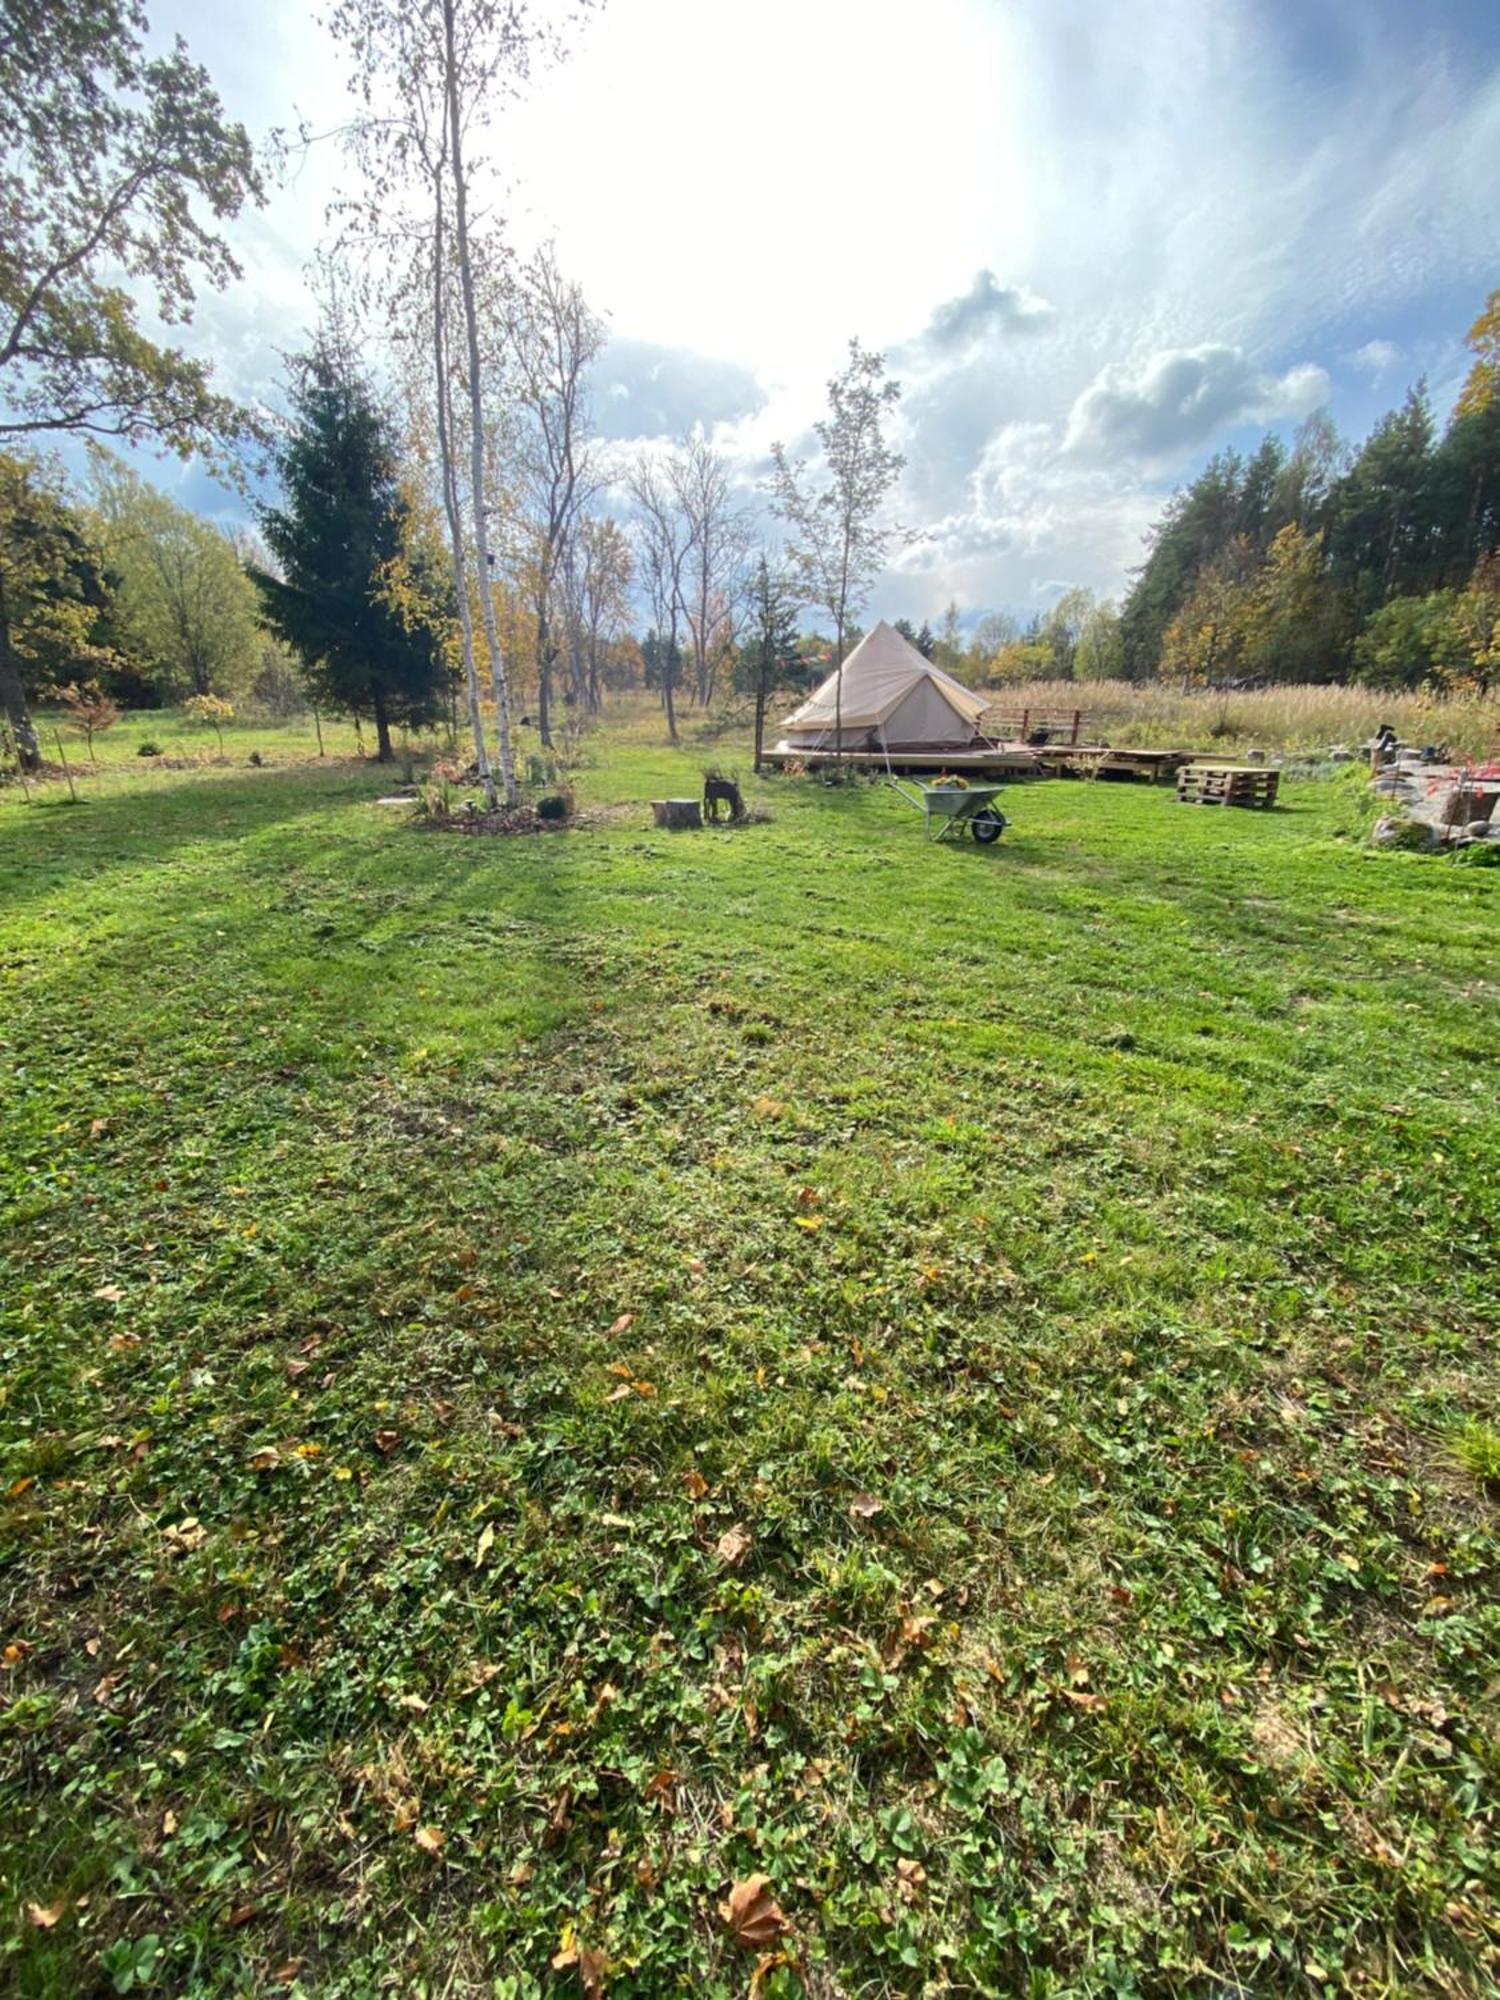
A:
{"x":892,"y":701}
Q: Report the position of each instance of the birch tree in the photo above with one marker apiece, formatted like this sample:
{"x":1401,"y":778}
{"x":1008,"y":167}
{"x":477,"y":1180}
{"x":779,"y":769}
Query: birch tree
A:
{"x":718,"y":541}
{"x":837,"y":540}
{"x":664,"y":544}
{"x":430,"y":76}
{"x":553,"y":340}
{"x":605,"y":571}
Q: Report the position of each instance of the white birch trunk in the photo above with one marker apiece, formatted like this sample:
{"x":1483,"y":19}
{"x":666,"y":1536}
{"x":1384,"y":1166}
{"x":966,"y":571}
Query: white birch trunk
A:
{"x":453,"y":511}
{"x":476,"y":419}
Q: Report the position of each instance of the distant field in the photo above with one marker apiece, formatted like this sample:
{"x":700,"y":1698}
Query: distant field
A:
{"x":168,"y":731}
{"x":545,"y":1377}
{"x":1295,"y":719}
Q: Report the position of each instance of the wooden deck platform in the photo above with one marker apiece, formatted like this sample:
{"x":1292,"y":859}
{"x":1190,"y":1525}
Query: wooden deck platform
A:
{"x":1003,"y":760}
{"x":1000,"y":760}
{"x":1108,"y":760}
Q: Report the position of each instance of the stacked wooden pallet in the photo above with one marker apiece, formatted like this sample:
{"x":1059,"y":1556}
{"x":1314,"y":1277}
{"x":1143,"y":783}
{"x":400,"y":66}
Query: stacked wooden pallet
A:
{"x":1227,"y":785}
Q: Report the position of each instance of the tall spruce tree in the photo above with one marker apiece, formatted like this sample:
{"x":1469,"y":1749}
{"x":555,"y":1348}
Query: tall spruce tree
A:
{"x":1384,"y":528}
{"x":336,"y":535}
{"x":769,"y":655}
{"x":1199,"y":521}
{"x":1466,"y":469}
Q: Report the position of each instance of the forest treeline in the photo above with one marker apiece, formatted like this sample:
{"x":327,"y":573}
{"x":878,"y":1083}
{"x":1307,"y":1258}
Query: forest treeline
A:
{"x":1312,"y":561}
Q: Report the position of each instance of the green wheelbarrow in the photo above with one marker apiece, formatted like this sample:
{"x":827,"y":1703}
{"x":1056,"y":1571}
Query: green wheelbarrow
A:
{"x":953,"y":810}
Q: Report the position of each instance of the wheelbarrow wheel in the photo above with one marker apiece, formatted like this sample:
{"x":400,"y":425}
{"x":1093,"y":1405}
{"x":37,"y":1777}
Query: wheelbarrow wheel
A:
{"x":988,"y":825}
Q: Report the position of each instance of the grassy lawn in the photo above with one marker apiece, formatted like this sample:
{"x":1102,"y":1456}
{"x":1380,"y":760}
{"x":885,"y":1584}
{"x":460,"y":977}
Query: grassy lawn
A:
{"x":544,"y":1377}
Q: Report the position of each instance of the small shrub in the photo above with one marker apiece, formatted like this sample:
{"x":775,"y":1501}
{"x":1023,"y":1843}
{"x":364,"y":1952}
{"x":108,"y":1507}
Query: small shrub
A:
{"x":148,"y":749}
{"x":1477,"y":1448}
{"x":555,"y":806}
{"x":256,"y":759}
{"x":434,"y":800}
{"x":90,"y":709}
{"x":212,"y":712}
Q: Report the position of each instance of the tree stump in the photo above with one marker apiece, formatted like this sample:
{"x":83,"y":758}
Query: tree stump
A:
{"x":677,"y":812}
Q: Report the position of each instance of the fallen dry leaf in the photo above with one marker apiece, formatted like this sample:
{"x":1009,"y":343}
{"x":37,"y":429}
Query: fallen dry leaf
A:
{"x":864,"y":1507}
{"x":241,"y":1915}
{"x":765,"y":1965}
{"x":695,"y":1483}
{"x":590,"y":1965}
{"x":431,"y":1839}
{"x":111,"y":1294}
{"x":295,"y":1367}
{"x":18,"y":1486}
{"x":521,"y":1874}
{"x":485,"y":1543}
{"x":45,"y":1915}
{"x":620,"y":1390}
{"x":754,"y":1916}
{"x":910,"y":1875}
{"x":625,"y":1321}
{"x":560,"y":1818}
{"x":386,"y":1442}
{"x":734,"y":1545}
{"x":266,"y":1459}
{"x":660,"y":1787}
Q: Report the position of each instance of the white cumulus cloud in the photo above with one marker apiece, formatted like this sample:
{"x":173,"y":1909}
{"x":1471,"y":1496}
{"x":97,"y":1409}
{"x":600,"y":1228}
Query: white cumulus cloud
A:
{"x":1178,"y":398}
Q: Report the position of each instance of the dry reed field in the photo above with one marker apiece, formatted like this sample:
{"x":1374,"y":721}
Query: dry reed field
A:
{"x":1274,"y":718}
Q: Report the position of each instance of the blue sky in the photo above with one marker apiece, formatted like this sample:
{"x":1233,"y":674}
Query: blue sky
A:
{"x":1097,"y":241}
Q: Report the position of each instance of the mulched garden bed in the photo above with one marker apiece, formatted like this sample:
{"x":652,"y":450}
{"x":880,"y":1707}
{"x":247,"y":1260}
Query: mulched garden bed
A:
{"x":510,"y":819}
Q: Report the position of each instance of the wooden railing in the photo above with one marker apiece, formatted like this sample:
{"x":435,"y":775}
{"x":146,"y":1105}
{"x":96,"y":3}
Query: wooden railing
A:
{"x":1020,"y":724}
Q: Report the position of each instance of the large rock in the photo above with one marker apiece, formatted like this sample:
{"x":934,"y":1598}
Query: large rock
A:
{"x":1413,"y":833}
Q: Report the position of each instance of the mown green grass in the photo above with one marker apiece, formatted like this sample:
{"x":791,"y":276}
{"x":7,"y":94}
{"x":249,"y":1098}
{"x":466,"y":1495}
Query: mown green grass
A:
{"x":156,"y":744}
{"x":1116,"y":1207}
